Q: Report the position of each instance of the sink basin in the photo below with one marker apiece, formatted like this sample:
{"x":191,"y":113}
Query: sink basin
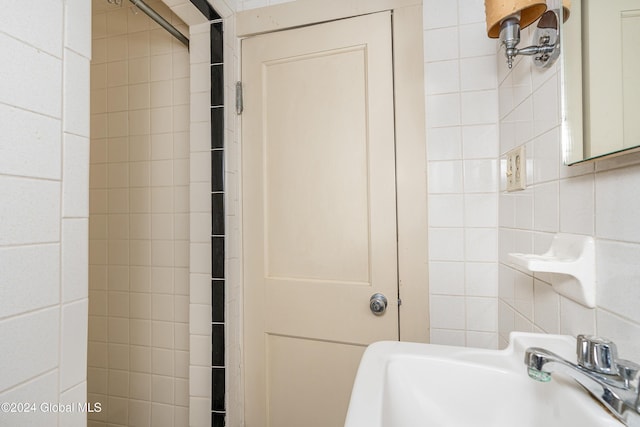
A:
{"x":402,"y":384}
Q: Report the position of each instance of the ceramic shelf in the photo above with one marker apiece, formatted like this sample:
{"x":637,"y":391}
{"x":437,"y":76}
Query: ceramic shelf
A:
{"x":572,"y":261}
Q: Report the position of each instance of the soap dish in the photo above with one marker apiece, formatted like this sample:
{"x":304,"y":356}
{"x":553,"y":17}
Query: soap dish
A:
{"x":571,"y":260}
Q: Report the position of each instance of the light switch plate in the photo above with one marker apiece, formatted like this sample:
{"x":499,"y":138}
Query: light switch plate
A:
{"x":516,"y":169}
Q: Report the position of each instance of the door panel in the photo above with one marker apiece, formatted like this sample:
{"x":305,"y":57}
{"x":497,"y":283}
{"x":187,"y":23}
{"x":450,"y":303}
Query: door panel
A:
{"x":319,"y":210}
{"x":297,"y":365}
{"x":307,"y":179}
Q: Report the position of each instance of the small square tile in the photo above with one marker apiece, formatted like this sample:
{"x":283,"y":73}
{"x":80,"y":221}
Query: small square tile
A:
{"x":577,"y":205}
{"x":442,"y":77}
{"x":217,"y":300}
{"x":217,"y":214}
{"x":217,"y":389}
{"x":217,"y":419}
{"x":439,"y":14}
{"x":445,"y":177}
{"x":216,"y":43}
{"x":446,"y":278}
{"x":217,"y":127}
{"x":546,"y":307}
{"x":217,"y":85}
{"x":482,"y":314}
{"x":217,"y":344}
{"x":217,"y":170}
{"x":480,"y":176}
{"x":545,"y":207}
{"x":217,"y":257}
{"x":443,"y":110}
{"x":447,"y":312}
{"x":470,"y":11}
{"x":74,"y":346}
{"x":441,"y":44}
{"x":616,"y":200}
{"x":478,"y":73}
{"x":481,"y":210}
{"x":481,"y":244}
{"x":473,"y":41}
{"x":479,"y":107}
{"x":448,"y":337}
{"x":446,"y":244}
{"x":446,"y":210}
{"x":445,"y":143}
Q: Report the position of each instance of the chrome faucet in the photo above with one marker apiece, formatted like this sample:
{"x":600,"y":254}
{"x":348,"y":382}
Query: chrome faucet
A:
{"x":614,"y":382}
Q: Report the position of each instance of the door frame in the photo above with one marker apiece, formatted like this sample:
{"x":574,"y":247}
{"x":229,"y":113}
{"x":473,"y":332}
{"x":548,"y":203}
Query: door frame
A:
{"x":411,"y":162}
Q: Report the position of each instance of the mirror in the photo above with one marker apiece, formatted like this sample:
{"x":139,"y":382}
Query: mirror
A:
{"x":601,"y":79}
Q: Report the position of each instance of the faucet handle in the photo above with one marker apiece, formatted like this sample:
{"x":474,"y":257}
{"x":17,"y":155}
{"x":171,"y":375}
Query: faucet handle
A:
{"x":597,"y":354}
{"x":629,"y":371}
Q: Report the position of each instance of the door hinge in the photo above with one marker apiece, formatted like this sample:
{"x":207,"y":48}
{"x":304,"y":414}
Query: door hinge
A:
{"x":239,"y":104}
{"x":399,"y":302}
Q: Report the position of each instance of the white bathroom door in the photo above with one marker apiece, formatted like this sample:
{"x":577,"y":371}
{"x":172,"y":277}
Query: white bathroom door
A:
{"x":319,"y":215}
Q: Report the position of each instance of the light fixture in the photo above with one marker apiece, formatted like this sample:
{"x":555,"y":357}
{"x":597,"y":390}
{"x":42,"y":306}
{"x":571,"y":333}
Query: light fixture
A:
{"x":566,"y":10}
{"x":505,"y":18}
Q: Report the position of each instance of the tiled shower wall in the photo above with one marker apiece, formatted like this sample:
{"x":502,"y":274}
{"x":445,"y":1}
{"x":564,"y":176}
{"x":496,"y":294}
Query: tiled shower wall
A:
{"x":462,"y":155}
{"x":44,"y":158}
{"x":599,"y":199}
{"x":138,"y":364}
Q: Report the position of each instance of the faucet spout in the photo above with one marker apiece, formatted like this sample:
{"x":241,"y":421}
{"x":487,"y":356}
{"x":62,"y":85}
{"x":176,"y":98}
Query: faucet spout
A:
{"x":614,"y":391}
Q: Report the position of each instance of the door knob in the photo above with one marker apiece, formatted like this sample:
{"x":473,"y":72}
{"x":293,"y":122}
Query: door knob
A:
{"x":378,"y":304}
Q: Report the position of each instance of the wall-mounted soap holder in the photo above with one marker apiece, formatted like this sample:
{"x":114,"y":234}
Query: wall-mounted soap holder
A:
{"x":572,"y":261}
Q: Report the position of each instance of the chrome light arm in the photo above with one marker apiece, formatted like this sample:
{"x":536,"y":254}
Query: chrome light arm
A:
{"x":547,"y":34}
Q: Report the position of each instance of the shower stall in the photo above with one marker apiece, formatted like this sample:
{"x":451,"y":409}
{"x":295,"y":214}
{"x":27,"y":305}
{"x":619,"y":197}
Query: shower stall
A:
{"x":138,"y":355}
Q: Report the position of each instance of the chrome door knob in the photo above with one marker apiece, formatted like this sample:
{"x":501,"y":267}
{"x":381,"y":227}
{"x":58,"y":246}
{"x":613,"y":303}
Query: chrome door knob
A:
{"x":378,"y":304}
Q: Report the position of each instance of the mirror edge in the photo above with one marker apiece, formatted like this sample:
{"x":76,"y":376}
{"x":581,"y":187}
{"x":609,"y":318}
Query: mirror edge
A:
{"x":571,"y":86}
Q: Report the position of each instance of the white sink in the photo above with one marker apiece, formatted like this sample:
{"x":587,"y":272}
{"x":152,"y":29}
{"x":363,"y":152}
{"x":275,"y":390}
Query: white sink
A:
{"x":402,"y":384}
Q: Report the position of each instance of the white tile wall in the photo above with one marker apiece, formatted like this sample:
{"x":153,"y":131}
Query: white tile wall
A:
{"x":44,"y":206}
{"x":24,"y":286}
{"x":76,"y":106}
{"x":33,"y":216}
{"x":462,"y":75}
{"x":73,"y":353}
{"x":462,"y":140}
{"x":34,"y":344}
{"x":40,"y":27}
{"x":447,"y":312}
{"x":32,"y":157}
{"x":33,"y":79}
{"x":75,"y":160}
{"x":42,"y":389}
{"x":600,"y":201}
